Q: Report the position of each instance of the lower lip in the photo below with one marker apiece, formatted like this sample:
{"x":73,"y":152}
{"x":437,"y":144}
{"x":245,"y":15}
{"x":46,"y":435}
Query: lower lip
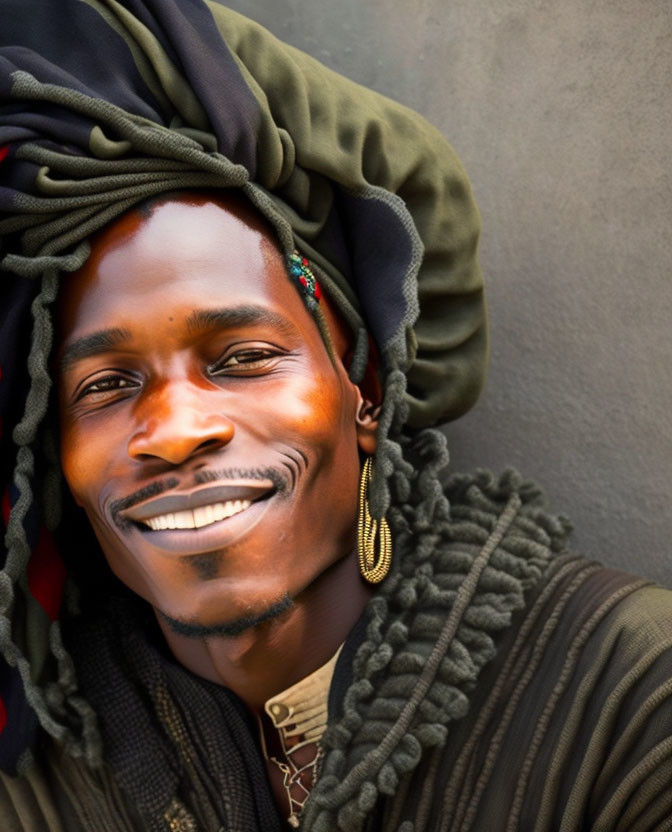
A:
{"x":216,"y":536}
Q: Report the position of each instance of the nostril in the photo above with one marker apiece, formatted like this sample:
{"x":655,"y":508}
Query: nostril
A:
{"x":209,"y":443}
{"x":212,"y":444}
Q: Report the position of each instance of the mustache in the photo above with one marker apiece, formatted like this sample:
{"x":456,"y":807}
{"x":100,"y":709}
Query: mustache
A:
{"x":279,"y":479}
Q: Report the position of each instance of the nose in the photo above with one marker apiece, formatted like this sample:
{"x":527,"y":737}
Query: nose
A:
{"x":177,"y":422}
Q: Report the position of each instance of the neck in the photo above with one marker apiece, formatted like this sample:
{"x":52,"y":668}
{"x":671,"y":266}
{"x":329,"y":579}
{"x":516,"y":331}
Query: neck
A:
{"x":266,"y":659}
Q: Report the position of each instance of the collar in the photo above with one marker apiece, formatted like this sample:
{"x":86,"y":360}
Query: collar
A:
{"x":299,"y":713}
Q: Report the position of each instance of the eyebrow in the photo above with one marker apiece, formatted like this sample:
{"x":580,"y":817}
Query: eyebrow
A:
{"x":240,"y":316}
{"x":94,"y":344}
{"x":228,"y":318}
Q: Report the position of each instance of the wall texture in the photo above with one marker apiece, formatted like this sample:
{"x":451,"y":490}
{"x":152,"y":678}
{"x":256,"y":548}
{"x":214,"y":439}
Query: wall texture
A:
{"x":562,"y":114}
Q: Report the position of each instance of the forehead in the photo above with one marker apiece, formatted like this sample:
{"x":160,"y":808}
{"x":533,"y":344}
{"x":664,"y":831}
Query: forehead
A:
{"x":190,"y":253}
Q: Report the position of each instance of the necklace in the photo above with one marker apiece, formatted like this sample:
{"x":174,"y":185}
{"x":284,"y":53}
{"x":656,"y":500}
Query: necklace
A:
{"x":298,"y":782}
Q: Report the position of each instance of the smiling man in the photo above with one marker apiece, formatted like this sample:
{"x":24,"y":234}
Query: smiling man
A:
{"x":202,"y":421}
{"x":238,"y":293}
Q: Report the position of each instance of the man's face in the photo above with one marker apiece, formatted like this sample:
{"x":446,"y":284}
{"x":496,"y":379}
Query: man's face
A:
{"x":204,"y":429}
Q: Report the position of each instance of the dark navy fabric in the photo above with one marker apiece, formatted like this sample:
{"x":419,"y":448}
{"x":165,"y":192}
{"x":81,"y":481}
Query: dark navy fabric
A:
{"x":97,"y":61}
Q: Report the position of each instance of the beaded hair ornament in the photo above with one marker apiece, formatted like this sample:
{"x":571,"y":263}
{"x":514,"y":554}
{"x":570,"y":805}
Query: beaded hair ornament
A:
{"x":299,"y":271}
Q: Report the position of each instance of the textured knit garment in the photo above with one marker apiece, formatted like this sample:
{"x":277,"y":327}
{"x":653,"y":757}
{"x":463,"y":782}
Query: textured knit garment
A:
{"x":558,"y":717}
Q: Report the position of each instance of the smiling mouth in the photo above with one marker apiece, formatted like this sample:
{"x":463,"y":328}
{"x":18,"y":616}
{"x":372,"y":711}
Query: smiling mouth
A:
{"x":197,"y":507}
{"x":203,"y":519}
{"x":196,"y":518}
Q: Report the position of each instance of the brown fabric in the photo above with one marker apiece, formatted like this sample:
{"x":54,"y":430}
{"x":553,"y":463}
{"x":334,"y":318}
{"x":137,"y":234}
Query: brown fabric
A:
{"x":29,"y":803}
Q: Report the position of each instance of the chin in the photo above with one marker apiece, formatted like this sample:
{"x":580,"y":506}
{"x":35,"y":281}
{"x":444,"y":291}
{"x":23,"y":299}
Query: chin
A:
{"x":209,"y":601}
{"x":229,"y":625}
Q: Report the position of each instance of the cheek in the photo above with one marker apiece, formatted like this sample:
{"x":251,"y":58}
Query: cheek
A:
{"x":317,"y":413}
{"x":76,"y":469}
{"x":85,"y":458}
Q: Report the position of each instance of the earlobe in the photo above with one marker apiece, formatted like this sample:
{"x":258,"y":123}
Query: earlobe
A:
{"x":366,"y":420}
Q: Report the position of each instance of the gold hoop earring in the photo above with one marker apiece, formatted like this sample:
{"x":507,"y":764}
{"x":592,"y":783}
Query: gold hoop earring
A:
{"x":374,"y":565}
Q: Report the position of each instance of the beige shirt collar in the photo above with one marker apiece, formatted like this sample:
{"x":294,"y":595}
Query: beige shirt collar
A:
{"x":301,"y":710}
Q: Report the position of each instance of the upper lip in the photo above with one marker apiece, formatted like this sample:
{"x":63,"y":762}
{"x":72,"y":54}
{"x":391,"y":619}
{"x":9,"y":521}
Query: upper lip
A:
{"x":203,"y":496}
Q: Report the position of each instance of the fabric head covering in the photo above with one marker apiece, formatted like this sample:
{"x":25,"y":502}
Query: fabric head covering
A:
{"x":106,"y":103}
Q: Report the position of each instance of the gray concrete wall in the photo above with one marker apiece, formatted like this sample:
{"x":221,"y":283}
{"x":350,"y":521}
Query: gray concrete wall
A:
{"x":562,"y":114}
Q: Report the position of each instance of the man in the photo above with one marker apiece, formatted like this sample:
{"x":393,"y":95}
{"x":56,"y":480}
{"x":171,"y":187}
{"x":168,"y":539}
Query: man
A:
{"x":248,"y":462}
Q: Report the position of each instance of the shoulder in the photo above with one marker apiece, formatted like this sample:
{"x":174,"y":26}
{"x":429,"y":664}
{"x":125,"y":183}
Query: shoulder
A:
{"x":571,"y":724}
{"x":643,"y":618}
{"x":596,"y":617}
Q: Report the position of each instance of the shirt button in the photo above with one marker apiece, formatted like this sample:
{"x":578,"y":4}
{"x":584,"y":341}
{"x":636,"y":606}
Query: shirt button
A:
{"x":280,"y":712}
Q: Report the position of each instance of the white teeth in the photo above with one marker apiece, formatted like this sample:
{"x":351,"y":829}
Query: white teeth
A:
{"x":199,"y":517}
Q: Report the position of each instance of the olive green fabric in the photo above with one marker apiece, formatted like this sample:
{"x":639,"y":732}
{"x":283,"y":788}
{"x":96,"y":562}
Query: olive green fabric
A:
{"x":318,"y":124}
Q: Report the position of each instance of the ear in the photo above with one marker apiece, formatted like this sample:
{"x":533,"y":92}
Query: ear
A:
{"x":366,"y":420}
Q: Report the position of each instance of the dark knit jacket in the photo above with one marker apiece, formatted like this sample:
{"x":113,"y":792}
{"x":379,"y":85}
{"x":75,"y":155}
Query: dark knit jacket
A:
{"x":498,"y":683}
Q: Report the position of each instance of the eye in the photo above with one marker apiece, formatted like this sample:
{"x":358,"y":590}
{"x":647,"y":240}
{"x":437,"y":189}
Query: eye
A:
{"x":249,"y":361}
{"x":105,"y":387}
